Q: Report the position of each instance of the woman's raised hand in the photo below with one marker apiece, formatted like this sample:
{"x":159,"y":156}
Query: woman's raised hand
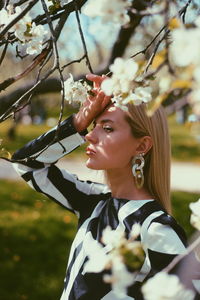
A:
{"x":93,"y":106}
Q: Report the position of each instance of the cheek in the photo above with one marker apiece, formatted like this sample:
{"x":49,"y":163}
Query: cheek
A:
{"x":119,"y":153}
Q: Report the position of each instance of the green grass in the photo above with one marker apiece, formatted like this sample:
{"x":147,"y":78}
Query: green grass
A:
{"x":181,"y":211}
{"x":185,"y":146}
{"x":36,"y":235}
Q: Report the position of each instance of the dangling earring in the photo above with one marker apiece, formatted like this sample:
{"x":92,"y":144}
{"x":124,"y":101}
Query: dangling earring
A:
{"x":137,"y":169}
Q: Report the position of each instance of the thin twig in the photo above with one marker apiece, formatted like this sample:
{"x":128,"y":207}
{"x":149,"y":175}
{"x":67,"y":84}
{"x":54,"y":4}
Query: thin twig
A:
{"x":82,"y":37}
{"x":72,"y":62}
{"x":184,"y":10}
{"x":155,"y":51}
{"x":57,"y":66}
{"x":178,"y":258}
{"x":68,"y":8}
{"x":17,"y":18}
{"x":149,"y":45}
{"x":6,"y":83}
{"x":167,"y":41}
{"x":153,"y":73}
{"x":17,"y":104}
{"x":43,"y":64}
{"x":18,"y":54}
{"x":4,"y":52}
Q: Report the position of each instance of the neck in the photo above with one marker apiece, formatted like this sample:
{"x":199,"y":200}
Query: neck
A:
{"x":122,"y":185}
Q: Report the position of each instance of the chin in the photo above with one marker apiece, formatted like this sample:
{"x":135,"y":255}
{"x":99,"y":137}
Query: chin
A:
{"x":92,"y":165}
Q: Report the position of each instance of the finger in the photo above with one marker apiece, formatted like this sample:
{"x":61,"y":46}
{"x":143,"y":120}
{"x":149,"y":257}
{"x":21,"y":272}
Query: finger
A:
{"x":100,"y":96}
{"x":106,"y":101}
{"x":96,"y":79}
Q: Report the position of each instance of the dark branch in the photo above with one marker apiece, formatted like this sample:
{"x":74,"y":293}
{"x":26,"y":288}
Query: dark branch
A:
{"x":19,"y":17}
{"x":126,"y":32}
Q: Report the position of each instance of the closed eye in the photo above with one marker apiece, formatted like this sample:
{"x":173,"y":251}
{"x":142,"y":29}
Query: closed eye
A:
{"x":107,"y":128}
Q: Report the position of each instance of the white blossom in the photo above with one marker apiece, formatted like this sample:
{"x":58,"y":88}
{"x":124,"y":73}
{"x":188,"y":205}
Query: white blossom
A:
{"x":27,"y":32}
{"x":113,"y":238}
{"x":75,"y":91}
{"x":124,"y":68}
{"x":35,"y":39}
{"x":34,"y":47}
{"x":155,"y":288}
{"x":138,"y":96}
{"x":109,"y":11}
{"x":98,"y":260}
{"x":20,"y":28}
{"x":111,"y":256}
{"x":48,"y":2}
{"x":38,"y":32}
{"x":141,"y":94}
{"x":189,"y":40}
{"x":8,"y":14}
{"x":119,"y":102}
{"x":197,"y":21}
{"x":123,"y":84}
{"x":4,"y":17}
{"x":135,"y":230}
{"x":63,"y":2}
{"x":164,"y":84}
{"x":196,"y":74}
{"x":120,"y":278}
{"x":124,"y":72}
{"x":195,"y":216}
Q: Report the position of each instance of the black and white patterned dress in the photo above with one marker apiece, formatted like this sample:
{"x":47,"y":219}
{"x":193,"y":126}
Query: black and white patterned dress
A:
{"x":95,"y":208}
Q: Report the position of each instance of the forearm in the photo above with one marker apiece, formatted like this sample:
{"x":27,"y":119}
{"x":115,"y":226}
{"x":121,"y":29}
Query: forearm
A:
{"x":52,"y":145}
{"x":80,"y":123}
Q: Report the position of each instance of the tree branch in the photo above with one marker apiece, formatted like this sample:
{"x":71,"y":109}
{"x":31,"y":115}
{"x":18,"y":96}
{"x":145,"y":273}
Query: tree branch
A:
{"x":16,"y":19}
{"x":6,"y":83}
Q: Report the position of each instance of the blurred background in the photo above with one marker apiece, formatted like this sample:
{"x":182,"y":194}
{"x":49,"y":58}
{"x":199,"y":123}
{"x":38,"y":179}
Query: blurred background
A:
{"x":35,"y":233}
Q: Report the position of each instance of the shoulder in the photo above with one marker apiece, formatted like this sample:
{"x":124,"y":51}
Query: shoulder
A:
{"x":158,"y":228}
{"x":142,"y":212}
{"x":161,"y":232}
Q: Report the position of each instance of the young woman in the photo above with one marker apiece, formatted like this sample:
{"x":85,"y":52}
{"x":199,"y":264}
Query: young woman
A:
{"x":134,"y":152}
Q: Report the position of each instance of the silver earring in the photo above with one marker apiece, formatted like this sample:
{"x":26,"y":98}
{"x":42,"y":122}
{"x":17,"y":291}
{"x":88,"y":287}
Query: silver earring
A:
{"x":137,"y":169}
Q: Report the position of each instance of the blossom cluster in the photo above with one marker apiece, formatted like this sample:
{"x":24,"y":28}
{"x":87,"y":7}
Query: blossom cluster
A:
{"x":155,"y":288}
{"x":110,"y":11}
{"x":184,"y":55}
{"x":124,"y":85}
{"x":26,"y":31}
{"x":112,"y":256}
{"x":75,"y":91}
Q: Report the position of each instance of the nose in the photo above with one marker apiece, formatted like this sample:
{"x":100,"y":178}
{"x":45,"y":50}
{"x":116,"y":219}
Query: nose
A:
{"x":91,"y":137}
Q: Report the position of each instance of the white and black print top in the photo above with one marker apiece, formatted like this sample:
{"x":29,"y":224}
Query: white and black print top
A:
{"x":95,"y":207}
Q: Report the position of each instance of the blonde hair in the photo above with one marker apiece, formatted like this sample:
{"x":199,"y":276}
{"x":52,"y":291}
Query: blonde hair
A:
{"x":158,"y":158}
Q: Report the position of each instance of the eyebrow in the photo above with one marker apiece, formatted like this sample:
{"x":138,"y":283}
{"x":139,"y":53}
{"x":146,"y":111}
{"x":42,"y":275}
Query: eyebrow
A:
{"x":103,"y":121}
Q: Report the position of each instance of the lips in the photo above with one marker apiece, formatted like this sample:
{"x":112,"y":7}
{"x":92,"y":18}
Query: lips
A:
{"x":90,"y":151}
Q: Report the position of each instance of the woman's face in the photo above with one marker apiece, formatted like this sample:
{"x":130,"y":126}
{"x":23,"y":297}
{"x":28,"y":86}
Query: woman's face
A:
{"x":111,"y":143}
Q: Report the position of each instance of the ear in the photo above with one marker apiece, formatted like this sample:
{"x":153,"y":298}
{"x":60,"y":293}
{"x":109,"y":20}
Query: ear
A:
{"x":145,"y":144}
